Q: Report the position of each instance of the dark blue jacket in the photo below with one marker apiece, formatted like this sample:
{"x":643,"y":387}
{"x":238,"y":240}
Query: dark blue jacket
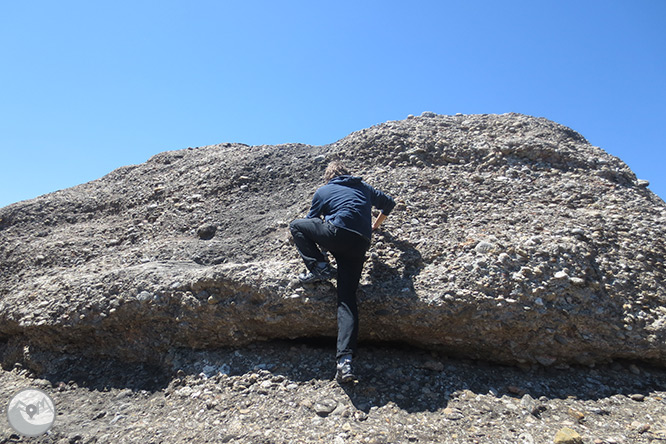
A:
{"x":347,"y":201}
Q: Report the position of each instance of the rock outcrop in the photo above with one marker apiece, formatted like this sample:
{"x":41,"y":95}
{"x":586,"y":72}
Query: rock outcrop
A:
{"x":513,"y":240}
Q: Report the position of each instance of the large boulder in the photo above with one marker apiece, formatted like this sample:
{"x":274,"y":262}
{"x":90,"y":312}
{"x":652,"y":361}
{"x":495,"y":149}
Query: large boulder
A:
{"x":513,"y":240}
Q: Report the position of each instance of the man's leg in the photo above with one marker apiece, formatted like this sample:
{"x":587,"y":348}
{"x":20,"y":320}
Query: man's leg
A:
{"x":350,"y":258}
{"x":307,"y":233}
{"x":349,"y":274}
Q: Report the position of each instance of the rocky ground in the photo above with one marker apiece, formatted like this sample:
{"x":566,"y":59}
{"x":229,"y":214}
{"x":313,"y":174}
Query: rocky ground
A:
{"x":282,"y":392}
{"x":514,"y":241}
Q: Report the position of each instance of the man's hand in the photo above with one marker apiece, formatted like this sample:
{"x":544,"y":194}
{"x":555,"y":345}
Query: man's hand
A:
{"x":380,"y":218}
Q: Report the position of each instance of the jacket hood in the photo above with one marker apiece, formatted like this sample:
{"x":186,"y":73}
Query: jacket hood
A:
{"x":346,"y":180}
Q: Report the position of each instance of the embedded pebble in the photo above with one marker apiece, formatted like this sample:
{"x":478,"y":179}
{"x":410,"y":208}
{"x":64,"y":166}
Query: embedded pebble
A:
{"x":325,"y":406}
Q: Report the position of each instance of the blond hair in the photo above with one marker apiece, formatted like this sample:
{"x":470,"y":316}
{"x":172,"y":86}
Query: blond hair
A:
{"x":335,"y":169}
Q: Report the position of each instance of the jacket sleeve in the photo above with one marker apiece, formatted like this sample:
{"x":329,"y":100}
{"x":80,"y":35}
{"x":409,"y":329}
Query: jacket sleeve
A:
{"x":382,"y":201}
{"x":316,"y":206}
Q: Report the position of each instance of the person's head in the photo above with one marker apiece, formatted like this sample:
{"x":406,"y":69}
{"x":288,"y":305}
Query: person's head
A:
{"x":335,"y":169}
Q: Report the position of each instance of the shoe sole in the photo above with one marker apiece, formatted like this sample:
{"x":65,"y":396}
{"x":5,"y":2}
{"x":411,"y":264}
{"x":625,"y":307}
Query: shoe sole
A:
{"x":316,"y":279}
{"x":345,"y":379}
{"x":310,"y":281}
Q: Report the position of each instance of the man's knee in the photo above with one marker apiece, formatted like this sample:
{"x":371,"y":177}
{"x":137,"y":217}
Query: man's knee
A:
{"x":294,"y":226}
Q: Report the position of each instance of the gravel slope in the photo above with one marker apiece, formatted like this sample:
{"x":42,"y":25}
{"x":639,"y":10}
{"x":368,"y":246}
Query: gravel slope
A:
{"x":282,"y":392}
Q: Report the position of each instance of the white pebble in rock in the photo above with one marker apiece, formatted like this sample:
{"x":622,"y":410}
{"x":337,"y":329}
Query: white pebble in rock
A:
{"x":504,"y":258}
{"x":577,"y":281}
{"x":484,"y":247}
{"x":453,"y":414}
{"x":324,"y":407}
{"x":639,"y":397}
{"x":561,"y":275}
{"x":144,"y":296}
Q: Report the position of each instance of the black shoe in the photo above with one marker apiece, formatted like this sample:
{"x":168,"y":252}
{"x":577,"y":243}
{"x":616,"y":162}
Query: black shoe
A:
{"x":345,"y":372}
{"x":318,"y":274}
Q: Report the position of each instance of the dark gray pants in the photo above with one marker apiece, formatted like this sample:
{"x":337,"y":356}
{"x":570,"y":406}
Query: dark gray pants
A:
{"x":349,"y":250}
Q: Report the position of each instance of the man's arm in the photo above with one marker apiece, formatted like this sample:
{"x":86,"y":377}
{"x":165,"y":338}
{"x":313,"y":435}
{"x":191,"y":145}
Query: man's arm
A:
{"x":383,"y":202}
{"x":316,"y":206}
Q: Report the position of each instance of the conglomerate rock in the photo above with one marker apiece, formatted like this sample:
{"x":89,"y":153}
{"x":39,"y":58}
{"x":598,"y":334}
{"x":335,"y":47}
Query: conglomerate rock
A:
{"x":513,"y":240}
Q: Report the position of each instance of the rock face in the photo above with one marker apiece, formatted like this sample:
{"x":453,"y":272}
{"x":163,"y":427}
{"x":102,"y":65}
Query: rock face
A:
{"x":513,"y":240}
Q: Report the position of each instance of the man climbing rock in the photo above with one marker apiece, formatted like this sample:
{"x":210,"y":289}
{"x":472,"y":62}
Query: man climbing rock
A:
{"x":345,"y":202}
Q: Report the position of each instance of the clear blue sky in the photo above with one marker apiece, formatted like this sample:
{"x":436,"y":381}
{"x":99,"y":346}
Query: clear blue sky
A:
{"x":89,"y":86}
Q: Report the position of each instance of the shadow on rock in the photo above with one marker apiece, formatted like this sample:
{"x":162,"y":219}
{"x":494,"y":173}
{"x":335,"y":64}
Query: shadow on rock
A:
{"x":393,"y":259}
